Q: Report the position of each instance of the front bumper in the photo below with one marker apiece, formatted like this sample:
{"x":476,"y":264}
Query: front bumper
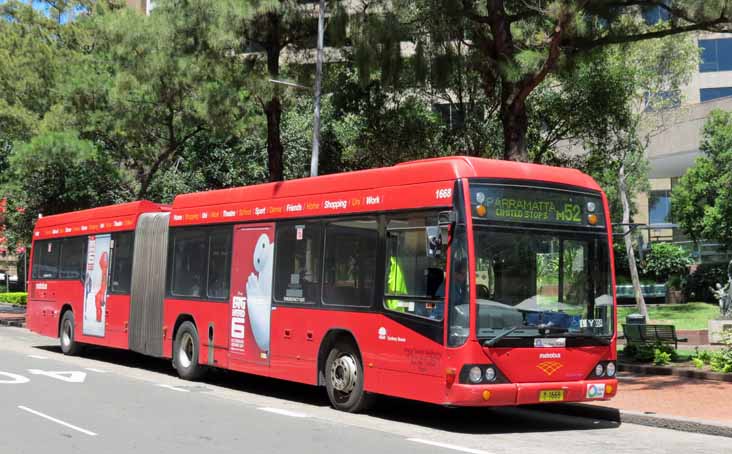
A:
{"x":529,"y":393}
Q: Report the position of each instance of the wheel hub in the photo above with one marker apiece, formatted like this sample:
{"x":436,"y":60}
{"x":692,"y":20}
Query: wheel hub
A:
{"x":66,"y":334}
{"x":344,"y":373}
{"x":185,"y":351}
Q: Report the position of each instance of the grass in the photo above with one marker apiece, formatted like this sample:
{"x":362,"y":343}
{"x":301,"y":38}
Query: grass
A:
{"x":683,"y":316}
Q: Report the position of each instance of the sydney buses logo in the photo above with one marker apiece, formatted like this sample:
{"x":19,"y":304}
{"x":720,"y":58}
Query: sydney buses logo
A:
{"x":549,"y":367}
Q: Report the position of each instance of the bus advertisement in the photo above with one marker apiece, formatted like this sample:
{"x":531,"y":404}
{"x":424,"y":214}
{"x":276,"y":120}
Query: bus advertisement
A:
{"x":455,"y":281}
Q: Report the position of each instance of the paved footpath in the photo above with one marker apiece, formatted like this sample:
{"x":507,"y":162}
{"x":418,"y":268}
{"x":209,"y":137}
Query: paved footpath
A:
{"x":674,"y":396}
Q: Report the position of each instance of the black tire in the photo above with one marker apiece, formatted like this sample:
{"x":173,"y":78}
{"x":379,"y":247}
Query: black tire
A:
{"x":66,"y":338}
{"x":186,"y":352}
{"x":344,"y":379}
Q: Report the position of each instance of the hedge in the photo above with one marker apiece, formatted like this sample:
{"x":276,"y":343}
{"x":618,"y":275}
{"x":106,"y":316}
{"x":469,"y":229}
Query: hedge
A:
{"x":14,"y":298}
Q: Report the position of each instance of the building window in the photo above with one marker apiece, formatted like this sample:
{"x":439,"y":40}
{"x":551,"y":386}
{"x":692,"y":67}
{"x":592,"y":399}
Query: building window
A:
{"x":451,"y":115}
{"x":656,"y":14}
{"x":350,"y":263}
{"x":708,"y":94}
{"x":659,"y":207}
{"x":716,"y":55}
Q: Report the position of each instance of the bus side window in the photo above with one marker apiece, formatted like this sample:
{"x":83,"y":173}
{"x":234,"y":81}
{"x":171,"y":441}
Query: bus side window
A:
{"x":122,"y":263}
{"x":73,"y":258}
{"x":350,"y":262}
{"x":414,"y":281}
{"x":190,"y":247}
{"x":298,"y":262}
{"x":219,"y":263}
{"x":45,"y":259}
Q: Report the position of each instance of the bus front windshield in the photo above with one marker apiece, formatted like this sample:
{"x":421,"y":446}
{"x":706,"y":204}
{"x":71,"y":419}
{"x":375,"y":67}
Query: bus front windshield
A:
{"x":542,"y":283}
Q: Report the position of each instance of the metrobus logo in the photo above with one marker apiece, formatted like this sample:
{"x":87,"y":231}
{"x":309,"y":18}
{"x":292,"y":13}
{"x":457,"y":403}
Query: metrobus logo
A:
{"x":549,"y":367}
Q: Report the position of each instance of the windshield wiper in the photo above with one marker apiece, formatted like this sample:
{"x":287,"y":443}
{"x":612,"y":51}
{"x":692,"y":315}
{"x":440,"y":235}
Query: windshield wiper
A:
{"x":492,"y":342}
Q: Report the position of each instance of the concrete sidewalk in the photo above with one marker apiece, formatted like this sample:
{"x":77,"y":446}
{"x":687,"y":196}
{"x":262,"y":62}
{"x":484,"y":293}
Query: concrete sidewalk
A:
{"x":668,"y":401}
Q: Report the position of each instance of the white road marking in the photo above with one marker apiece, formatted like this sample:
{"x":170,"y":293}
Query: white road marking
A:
{"x":279,"y":411}
{"x":174,"y":388}
{"x":37,"y":357}
{"x":57,"y":421}
{"x":448,"y":446}
{"x":71,"y":376}
{"x":91,"y":369}
{"x":13,"y":379}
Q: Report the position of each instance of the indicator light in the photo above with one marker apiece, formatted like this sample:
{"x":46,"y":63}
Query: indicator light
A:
{"x":481,"y":210}
{"x":449,"y":376}
{"x":475,"y":374}
{"x":609,"y":389}
{"x":599,"y":370}
{"x":592,"y":219}
{"x":591,"y":207}
{"x":480,"y":198}
{"x":486,"y":395}
{"x":490,"y":374}
{"x":610,"y":369}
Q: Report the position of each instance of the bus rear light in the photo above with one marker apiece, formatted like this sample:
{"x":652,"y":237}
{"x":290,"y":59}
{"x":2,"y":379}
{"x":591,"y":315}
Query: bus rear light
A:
{"x":450,"y":375}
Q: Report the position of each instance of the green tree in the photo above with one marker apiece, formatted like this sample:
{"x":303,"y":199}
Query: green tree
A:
{"x":73,"y":174}
{"x":701,"y":202}
{"x":148,"y":87}
{"x":514,"y":46}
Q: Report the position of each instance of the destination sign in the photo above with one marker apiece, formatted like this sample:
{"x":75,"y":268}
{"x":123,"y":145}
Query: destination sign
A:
{"x":534,"y":205}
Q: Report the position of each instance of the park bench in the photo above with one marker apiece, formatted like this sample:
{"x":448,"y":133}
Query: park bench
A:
{"x":652,"y":334}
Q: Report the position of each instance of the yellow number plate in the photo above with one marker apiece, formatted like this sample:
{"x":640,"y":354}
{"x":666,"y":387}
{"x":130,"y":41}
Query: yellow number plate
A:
{"x":554,"y":395}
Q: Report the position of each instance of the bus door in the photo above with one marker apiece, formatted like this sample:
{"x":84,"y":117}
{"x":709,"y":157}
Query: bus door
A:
{"x":94,"y":317}
{"x":251,"y":293}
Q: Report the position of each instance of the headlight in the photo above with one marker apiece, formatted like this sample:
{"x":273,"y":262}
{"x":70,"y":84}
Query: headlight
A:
{"x":610,"y":369}
{"x":475,"y":374}
{"x":591,"y":206}
{"x":599,"y":370}
{"x":490,"y":374}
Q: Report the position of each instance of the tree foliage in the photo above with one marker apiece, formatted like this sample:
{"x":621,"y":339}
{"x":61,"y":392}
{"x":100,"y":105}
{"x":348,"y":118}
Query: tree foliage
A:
{"x":701,"y":201}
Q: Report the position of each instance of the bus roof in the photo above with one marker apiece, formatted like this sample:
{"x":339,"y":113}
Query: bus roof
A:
{"x":404,"y":174}
{"x":105,"y":219}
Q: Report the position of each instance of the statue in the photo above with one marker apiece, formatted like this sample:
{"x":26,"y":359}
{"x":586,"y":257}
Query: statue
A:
{"x":724,"y":295}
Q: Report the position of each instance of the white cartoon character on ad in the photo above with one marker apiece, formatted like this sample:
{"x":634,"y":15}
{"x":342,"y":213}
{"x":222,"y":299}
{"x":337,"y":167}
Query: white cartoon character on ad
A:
{"x":259,"y":292}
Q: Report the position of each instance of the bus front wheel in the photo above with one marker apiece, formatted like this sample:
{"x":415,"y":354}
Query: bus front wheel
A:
{"x":344,"y":379}
{"x":69,"y":346}
{"x":186,"y":349}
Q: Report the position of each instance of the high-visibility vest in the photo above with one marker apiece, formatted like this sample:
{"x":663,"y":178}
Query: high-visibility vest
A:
{"x":395,"y":285}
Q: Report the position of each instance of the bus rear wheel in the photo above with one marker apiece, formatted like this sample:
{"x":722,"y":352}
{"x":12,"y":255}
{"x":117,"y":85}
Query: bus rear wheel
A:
{"x":186,"y":352}
{"x":69,"y":346}
{"x":344,"y":379}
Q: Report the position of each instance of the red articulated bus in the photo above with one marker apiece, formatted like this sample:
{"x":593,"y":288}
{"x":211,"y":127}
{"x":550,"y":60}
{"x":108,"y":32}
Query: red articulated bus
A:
{"x":456,"y":281}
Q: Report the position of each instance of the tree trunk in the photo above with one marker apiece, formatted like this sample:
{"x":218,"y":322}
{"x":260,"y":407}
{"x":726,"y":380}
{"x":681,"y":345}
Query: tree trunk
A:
{"x":639,"y":301}
{"x":515,"y":124}
{"x":273,"y":111}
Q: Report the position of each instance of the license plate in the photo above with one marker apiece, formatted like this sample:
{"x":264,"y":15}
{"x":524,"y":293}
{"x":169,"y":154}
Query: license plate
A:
{"x":554,"y":395}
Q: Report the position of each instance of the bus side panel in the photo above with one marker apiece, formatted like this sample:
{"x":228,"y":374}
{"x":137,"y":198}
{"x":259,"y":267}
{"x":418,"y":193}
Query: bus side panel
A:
{"x":41,"y":308}
{"x":118,"y":316}
{"x":210,"y":318}
{"x":397,"y":361}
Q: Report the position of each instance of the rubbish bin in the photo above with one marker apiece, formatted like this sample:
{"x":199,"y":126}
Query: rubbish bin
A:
{"x":635,"y":319}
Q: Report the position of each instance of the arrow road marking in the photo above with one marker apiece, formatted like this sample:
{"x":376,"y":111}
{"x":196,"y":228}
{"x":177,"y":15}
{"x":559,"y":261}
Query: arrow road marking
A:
{"x":57,"y":421}
{"x":13,"y":379}
{"x":279,"y":411}
{"x":71,"y":376}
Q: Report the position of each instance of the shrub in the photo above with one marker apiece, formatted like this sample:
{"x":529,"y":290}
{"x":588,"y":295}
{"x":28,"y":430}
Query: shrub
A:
{"x":661,"y":358}
{"x":704,"y":277}
{"x":666,"y":260}
{"x":698,"y":363}
{"x":721,"y":361}
{"x":17,"y":298}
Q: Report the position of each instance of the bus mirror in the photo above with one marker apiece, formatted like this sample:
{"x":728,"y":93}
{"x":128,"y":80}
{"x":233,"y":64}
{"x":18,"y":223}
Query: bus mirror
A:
{"x":433,"y":235}
{"x":446,"y":218}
